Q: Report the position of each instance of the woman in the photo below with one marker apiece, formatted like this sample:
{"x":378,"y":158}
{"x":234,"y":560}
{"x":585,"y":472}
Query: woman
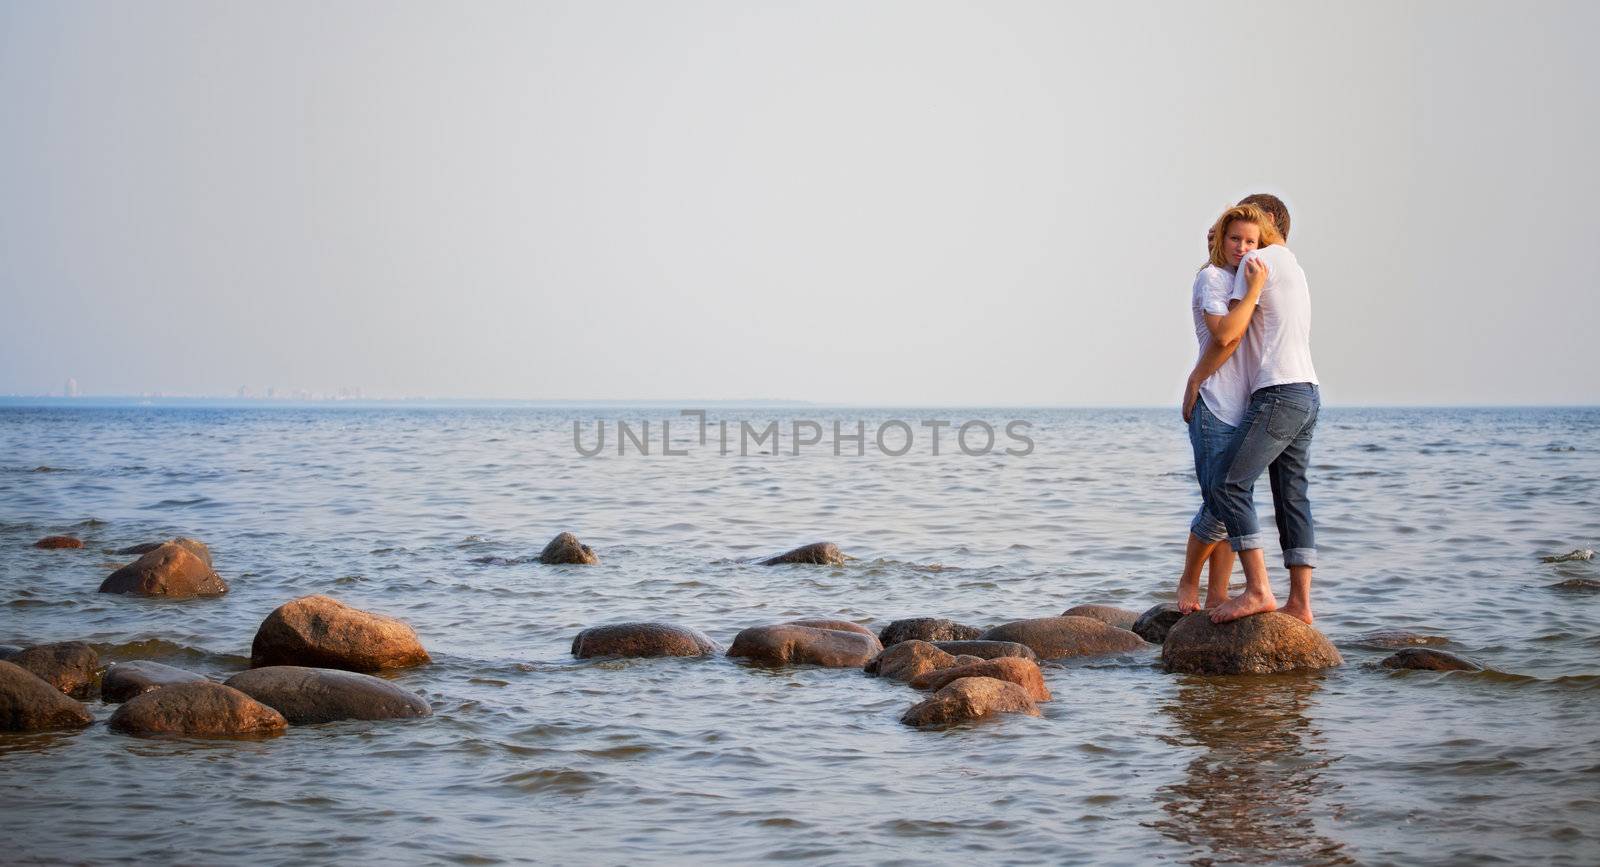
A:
{"x":1219,"y":401}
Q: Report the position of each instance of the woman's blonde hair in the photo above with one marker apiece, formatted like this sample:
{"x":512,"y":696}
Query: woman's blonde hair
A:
{"x":1249,"y":214}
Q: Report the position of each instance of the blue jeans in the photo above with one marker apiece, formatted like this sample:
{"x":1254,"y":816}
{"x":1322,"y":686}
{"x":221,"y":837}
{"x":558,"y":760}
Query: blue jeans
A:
{"x":1275,"y":437}
{"x":1210,"y":437}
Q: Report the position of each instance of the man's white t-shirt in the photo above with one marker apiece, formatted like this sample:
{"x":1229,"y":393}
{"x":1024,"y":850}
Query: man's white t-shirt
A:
{"x":1226,"y":392}
{"x":1279,"y":337}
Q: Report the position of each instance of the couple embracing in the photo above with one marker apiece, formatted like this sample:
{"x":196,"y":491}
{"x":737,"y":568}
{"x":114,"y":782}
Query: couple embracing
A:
{"x":1251,"y":405}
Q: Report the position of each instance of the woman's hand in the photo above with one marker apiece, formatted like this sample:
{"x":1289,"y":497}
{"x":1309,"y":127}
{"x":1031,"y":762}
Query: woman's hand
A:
{"x":1255,"y":274}
{"x":1191,"y":393}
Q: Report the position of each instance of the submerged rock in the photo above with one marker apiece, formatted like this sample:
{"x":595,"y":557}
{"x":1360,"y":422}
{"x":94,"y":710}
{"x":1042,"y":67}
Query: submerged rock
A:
{"x":306,"y":696}
{"x":1390,"y":639}
{"x":200,"y":709}
{"x":193,"y":546}
{"x":9,"y":650}
{"x":1259,"y":644}
{"x":927,"y":629}
{"x":29,"y":704}
{"x":800,"y":644}
{"x":987,"y":649}
{"x":1110,"y":615}
{"x":171,"y":570}
{"x":907,"y":659}
{"x":128,"y":679}
{"x":1423,"y":659}
{"x":970,"y":698}
{"x":322,"y":632}
{"x":816,"y":554}
{"x":1154,"y":624}
{"x":565,"y":549}
{"x":56,"y":542}
{"x":1575,"y":555}
{"x":70,"y":666}
{"x":1578,"y":585}
{"x":1022,"y":672}
{"x":642,"y":640}
{"x":1061,"y":637}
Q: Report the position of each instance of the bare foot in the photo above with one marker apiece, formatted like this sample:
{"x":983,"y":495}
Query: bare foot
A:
{"x":1244,"y":605}
{"x":1298,"y":610}
{"x":1216,"y":600}
{"x":1189,"y":594}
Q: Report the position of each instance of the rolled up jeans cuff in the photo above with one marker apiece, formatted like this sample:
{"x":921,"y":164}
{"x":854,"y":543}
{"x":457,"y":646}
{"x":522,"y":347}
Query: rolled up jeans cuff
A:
{"x":1245,"y":543}
{"x":1207,"y":527}
{"x":1300,"y":557}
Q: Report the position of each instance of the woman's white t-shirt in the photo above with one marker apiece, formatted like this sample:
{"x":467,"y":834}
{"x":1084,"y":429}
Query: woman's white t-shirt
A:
{"x":1226,"y":392}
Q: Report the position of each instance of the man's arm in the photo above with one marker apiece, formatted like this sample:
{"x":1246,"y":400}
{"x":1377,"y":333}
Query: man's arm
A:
{"x":1229,"y":328}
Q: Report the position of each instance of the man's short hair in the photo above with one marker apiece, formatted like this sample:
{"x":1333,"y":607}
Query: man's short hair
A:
{"x":1273,"y":206}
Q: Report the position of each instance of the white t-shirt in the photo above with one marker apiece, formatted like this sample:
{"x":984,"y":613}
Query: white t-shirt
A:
{"x":1226,"y":392}
{"x":1280,"y":329}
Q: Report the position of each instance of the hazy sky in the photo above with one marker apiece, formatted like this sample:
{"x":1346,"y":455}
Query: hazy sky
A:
{"x":888,"y":202}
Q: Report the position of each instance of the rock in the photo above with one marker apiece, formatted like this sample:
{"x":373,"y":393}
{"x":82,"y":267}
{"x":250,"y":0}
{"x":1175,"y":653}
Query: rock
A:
{"x":987,"y":649}
{"x":1060,"y":637}
{"x":1575,"y":555}
{"x":1577,"y":585}
{"x":1391,"y":639}
{"x":54,"y":542}
{"x":927,"y":629}
{"x":1260,"y":644}
{"x":642,"y":640}
{"x":201,"y":709}
{"x":1022,"y":672}
{"x":128,"y":679}
{"x":29,"y":704}
{"x":907,"y":659}
{"x":306,"y":696}
{"x":799,"y":644}
{"x":321,"y":632}
{"x":842,"y":625}
{"x":1155,"y":623}
{"x":970,"y":698}
{"x":815,"y":554}
{"x":9,"y":650}
{"x":1424,"y":659}
{"x":194,"y":546}
{"x":566,"y":549}
{"x":171,"y":570}
{"x":1110,"y":615}
{"x":70,"y":666}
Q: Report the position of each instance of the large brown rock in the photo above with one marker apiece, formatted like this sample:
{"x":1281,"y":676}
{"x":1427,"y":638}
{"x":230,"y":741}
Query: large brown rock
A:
{"x":1110,"y":615}
{"x":566,"y":549}
{"x":1259,"y":644}
{"x":70,"y":666}
{"x":193,"y":546}
{"x":56,"y":542}
{"x":306,"y":696}
{"x":29,"y":704}
{"x":798,"y":644}
{"x":987,"y":649}
{"x":128,"y":679}
{"x":1022,"y":672}
{"x":815,"y":554}
{"x":642,"y":640}
{"x":1156,"y":622}
{"x":171,"y":570}
{"x":927,"y":629}
{"x":1425,"y":659}
{"x":321,"y":632}
{"x":1060,"y":637}
{"x":907,"y":659}
{"x":201,"y":709}
{"x":970,"y":698}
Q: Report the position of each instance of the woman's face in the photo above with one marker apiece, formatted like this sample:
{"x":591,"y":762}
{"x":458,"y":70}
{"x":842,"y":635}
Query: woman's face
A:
{"x":1241,"y":237}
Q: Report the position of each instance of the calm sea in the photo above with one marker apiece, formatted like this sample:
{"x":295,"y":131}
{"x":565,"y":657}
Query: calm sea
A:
{"x":1429,"y":520}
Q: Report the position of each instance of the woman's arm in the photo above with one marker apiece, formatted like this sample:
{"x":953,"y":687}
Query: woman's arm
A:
{"x":1229,"y":329}
{"x":1210,"y":362}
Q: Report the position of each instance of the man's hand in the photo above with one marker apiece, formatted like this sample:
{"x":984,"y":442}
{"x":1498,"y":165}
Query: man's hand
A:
{"x":1191,"y":393}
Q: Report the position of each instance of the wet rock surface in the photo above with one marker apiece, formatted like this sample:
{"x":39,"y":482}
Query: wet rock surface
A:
{"x":815,"y":554}
{"x":969,"y":699}
{"x":927,"y":629}
{"x":907,"y":659}
{"x":58,"y":542}
{"x":28,"y":703}
{"x":193,"y":546}
{"x":1154,"y":624}
{"x":1110,"y":615}
{"x":306,"y":696}
{"x":1427,"y":659}
{"x":171,"y":570}
{"x":322,"y":632}
{"x":565,"y":549}
{"x":1393,"y":639}
{"x":1260,"y":644}
{"x":128,"y":679}
{"x":1064,"y":637}
{"x":70,"y":666}
{"x":800,"y":644}
{"x":642,"y":640}
{"x":986,"y":649}
{"x":201,"y":709}
{"x":1022,"y":672}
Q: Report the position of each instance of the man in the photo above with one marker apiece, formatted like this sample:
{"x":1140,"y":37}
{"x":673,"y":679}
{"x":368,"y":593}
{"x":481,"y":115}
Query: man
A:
{"x":1275,"y":434}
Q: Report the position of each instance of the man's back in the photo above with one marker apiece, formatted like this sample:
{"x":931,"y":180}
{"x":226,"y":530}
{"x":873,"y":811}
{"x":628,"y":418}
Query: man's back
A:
{"x":1280,"y":330}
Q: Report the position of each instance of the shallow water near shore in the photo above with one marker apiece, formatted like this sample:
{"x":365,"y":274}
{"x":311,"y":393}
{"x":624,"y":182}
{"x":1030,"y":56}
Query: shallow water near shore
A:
{"x":1428,"y":520}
